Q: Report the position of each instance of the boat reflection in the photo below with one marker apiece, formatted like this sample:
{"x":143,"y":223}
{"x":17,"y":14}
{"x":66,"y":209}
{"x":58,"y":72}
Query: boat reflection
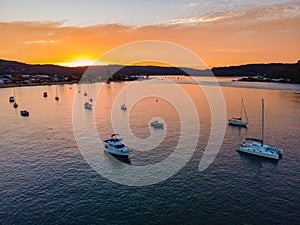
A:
{"x":122,"y":159}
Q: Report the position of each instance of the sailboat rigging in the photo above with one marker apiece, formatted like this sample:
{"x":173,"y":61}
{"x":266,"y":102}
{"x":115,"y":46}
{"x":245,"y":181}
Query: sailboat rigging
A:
{"x":123,"y":106}
{"x":87,"y":105}
{"x":258,"y":146}
{"x":238,"y":121}
{"x":15,"y":104}
{"x":56,"y":97}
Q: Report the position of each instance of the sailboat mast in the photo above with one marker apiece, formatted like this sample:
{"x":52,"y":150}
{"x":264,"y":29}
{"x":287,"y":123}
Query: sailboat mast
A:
{"x":241,"y":113}
{"x":245,"y":111}
{"x":262,"y":121}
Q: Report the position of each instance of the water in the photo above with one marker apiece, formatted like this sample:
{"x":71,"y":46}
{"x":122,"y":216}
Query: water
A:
{"x":45,"y":179}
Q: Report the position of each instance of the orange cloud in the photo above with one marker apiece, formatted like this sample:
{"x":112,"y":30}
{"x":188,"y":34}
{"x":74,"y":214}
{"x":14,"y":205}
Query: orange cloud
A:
{"x":255,"y":35}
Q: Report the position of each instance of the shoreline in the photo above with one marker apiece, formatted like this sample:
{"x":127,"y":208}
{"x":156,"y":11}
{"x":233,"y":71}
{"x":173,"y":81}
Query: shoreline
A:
{"x":36,"y":84}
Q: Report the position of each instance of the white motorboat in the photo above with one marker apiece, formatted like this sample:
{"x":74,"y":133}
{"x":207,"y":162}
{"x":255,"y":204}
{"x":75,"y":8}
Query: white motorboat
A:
{"x":257,"y":147}
{"x":238,"y":121}
{"x":115,"y":146}
{"x":157,"y":124}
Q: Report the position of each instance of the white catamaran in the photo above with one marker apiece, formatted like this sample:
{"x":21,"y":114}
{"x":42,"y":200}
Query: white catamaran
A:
{"x":238,"y":121}
{"x":257,"y":147}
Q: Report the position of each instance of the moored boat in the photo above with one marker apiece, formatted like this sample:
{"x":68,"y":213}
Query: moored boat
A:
{"x":115,"y":146}
{"x":88,"y":106}
{"x":24,"y":113}
{"x":157,"y":124}
{"x":238,"y":121}
{"x":257,"y":147}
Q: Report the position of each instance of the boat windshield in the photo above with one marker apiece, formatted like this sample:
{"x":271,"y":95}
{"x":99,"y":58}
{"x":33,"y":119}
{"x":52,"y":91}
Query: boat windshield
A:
{"x":120,"y":146}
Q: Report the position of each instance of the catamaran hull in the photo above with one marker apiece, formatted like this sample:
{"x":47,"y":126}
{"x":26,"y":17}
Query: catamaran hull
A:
{"x":257,"y":153}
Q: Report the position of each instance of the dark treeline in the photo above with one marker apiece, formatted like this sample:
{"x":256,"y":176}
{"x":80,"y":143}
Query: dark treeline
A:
{"x":272,"y":70}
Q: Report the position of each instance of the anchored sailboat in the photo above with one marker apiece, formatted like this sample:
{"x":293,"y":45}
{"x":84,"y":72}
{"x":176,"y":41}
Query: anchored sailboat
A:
{"x":257,"y":146}
{"x":15,"y":104}
{"x":87,"y":105}
{"x":56,"y":97}
{"x":123,"y":106}
{"x":238,"y":121}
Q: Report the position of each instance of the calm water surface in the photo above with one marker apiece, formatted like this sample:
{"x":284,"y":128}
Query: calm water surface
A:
{"x":45,"y":179}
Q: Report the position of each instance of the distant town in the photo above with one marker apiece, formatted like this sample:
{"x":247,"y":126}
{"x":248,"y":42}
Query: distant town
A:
{"x":14,"y":73}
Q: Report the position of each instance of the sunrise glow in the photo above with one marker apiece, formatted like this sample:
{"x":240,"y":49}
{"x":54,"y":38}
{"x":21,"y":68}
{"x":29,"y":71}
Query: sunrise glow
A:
{"x":80,"y":61}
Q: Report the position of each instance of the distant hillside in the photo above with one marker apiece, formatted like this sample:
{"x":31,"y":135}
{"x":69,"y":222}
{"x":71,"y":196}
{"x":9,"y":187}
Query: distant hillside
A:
{"x":17,"y":68}
{"x":290,"y":71}
{"x":118,"y":72}
{"x":247,"y":70}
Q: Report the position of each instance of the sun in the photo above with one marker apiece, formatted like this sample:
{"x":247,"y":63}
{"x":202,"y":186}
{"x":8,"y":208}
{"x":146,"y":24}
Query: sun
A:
{"x":81,"y":61}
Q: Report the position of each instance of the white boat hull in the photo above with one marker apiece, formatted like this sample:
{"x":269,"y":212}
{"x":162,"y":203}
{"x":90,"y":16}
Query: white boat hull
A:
{"x":259,"y":150}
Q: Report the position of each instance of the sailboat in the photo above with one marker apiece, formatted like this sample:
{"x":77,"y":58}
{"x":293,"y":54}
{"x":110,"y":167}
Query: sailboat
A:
{"x":12,"y":98}
{"x":123,"y":106}
{"x":56,"y":97}
{"x":15,"y":104}
{"x":87,"y":105}
{"x":238,"y":121}
{"x":257,"y":146}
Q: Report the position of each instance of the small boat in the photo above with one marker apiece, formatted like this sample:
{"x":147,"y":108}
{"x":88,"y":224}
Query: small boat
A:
{"x":12,"y":98}
{"x":45,"y":94}
{"x":88,"y":106}
{"x":115,"y":146}
{"x":157,"y":124}
{"x":24,"y":113}
{"x":123,"y":106}
{"x":257,"y":147}
{"x":15,"y":104}
{"x":238,"y":121}
{"x":56,"y":97}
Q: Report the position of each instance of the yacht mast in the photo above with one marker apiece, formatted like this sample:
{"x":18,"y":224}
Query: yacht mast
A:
{"x":262,"y":121}
{"x":241,"y":113}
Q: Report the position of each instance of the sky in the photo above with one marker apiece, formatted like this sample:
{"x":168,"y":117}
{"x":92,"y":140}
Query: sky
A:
{"x":220,"y":32}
